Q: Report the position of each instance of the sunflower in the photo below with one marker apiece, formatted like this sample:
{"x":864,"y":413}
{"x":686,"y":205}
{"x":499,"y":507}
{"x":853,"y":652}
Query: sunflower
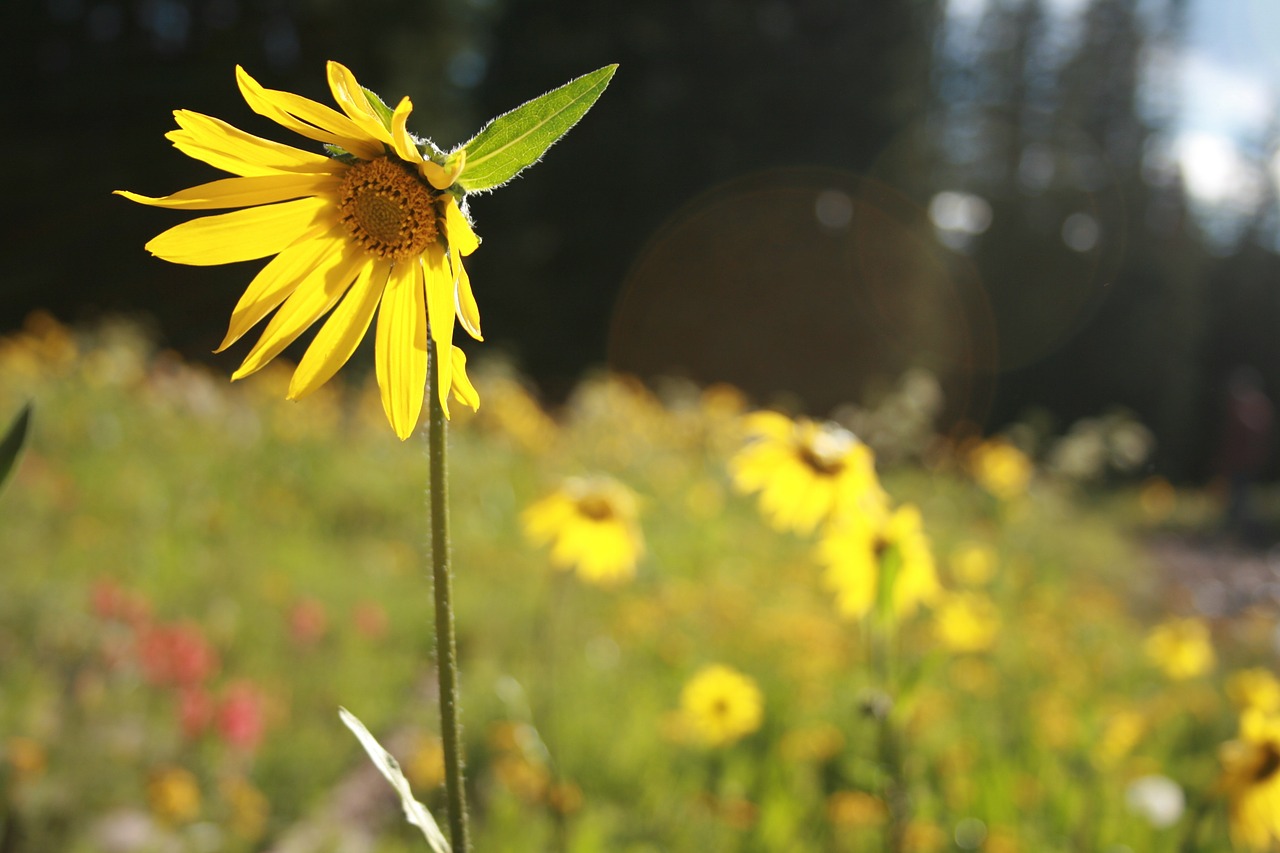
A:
{"x":719,"y":706}
{"x":880,"y":559}
{"x":1181,"y":648}
{"x":1251,"y":781}
{"x":805,"y":472}
{"x":591,"y":525}
{"x":376,"y":225}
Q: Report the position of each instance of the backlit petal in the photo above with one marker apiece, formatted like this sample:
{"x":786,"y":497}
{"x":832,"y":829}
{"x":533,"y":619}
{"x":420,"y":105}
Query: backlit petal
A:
{"x":242,"y":192}
{"x":349,"y":95}
{"x":240,"y":235}
{"x":463,"y":391}
{"x":342,"y":332}
{"x":307,"y":118}
{"x":274,"y":282}
{"x":400,"y":135}
{"x":440,"y":311}
{"x":400,"y":348}
{"x":464,"y":300}
{"x":461,"y":238}
{"x":314,"y":296}
{"x":222,"y":146}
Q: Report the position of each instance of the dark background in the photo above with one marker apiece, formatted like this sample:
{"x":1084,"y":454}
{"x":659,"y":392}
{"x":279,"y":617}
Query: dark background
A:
{"x":749,"y":201}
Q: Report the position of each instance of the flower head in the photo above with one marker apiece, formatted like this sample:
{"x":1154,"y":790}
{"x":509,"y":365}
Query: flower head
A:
{"x":880,"y":558}
{"x":967,"y":622}
{"x":376,"y":225}
{"x":591,"y":525}
{"x":805,"y":472}
{"x":1001,"y":469}
{"x":1251,"y":780}
{"x":719,"y":706}
{"x":1181,"y":648}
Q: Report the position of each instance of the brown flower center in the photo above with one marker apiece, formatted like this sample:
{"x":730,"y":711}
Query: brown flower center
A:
{"x":595,"y":508}
{"x":1268,"y":763}
{"x":387,"y":210}
{"x":823,"y":464}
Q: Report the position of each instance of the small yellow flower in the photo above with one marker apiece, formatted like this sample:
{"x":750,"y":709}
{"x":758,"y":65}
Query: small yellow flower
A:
{"x":25,"y":756}
{"x":1001,"y":469}
{"x":174,"y":795}
{"x":856,"y":809}
{"x":967,"y":622}
{"x":591,"y":525}
{"x":1251,"y":781}
{"x":1123,"y":730}
{"x":1181,"y":648}
{"x":375,"y":226}
{"x":879,"y":558}
{"x":1255,"y":688}
{"x":249,"y":808}
{"x":973,"y":564}
{"x":805,"y":472}
{"x":719,"y":706}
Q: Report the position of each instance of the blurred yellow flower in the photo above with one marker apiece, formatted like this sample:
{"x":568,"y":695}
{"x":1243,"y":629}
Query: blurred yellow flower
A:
{"x":1251,"y":781}
{"x":25,"y":756}
{"x":249,"y":808}
{"x":879,"y":559}
{"x":1181,"y":648}
{"x":375,"y":226}
{"x":967,"y":622}
{"x":805,"y":472}
{"x":425,"y":767}
{"x":856,"y":809}
{"x":1001,"y":469}
{"x":173,"y":795}
{"x":719,"y":706}
{"x":973,"y":564}
{"x":591,"y":525}
{"x":1255,"y":688}
{"x":1122,"y":731}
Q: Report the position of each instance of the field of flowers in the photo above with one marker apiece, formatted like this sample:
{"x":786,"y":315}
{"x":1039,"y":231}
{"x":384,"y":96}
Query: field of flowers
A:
{"x":677,"y":631}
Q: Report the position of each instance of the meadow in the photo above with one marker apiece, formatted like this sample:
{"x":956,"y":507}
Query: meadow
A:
{"x":196,"y":574}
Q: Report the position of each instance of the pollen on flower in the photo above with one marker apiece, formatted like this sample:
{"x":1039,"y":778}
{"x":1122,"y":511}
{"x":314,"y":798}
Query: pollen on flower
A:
{"x":387,"y":210}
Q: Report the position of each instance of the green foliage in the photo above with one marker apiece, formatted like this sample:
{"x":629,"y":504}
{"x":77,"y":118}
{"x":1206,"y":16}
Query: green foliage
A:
{"x":516,"y":140}
{"x":14,"y":439}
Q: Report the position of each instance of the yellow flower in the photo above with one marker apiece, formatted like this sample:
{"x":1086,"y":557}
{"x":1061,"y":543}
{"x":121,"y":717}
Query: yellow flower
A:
{"x":805,"y":472}
{"x":591,"y":526}
{"x":1251,"y":780}
{"x":1181,"y":648}
{"x":1255,"y":688}
{"x":720,"y":705}
{"x":856,"y":809}
{"x":1001,"y":469}
{"x":250,"y":808}
{"x":973,"y":564}
{"x":967,"y":622}
{"x":878,"y":558}
{"x":174,"y":795}
{"x":1123,"y":730}
{"x":376,"y":226}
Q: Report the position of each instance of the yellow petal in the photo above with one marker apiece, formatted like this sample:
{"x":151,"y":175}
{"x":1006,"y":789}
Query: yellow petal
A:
{"x":463,"y":390}
{"x":400,"y":348}
{"x":278,"y":279}
{"x":241,"y":235}
{"x":440,"y":311}
{"x":242,"y":192}
{"x":307,"y":118}
{"x":314,"y":295}
{"x":456,"y":227}
{"x":342,"y":332}
{"x":400,"y":135}
{"x":349,"y":95}
{"x":464,"y":300}
{"x":230,"y":149}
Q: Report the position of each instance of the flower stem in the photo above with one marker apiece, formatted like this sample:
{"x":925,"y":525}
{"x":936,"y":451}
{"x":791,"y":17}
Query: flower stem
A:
{"x":446,"y":647}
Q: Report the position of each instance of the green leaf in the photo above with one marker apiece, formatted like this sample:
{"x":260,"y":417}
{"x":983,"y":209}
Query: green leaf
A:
{"x":14,"y":439}
{"x":415,"y":812}
{"x":379,"y":107}
{"x":516,"y":140}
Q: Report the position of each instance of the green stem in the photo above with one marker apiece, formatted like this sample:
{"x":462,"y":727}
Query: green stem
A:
{"x":446,"y":647}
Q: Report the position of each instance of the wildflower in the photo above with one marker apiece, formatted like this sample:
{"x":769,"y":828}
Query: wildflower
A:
{"x":1001,"y":469}
{"x":249,"y":808}
{"x":1181,"y":648}
{"x":377,"y":225}
{"x":177,"y":655}
{"x":425,"y":767}
{"x":973,"y":564}
{"x":967,"y":622}
{"x":880,"y":559}
{"x":241,"y":716}
{"x":856,"y":809}
{"x":1159,"y":799}
{"x":591,"y":526}
{"x":174,"y":795}
{"x":805,"y":472}
{"x":719,"y":706}
{"x":25,"y":756}
{"x":1123,"y":731}
{"x":1251,"y":780}
{"x":308,"y":622}
{"x":1255,"y":688}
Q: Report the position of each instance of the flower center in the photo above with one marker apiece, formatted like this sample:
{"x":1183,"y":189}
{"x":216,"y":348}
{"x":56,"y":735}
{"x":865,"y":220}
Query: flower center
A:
{"x":387,"y":210}
{"x":1269,"y":763}
{"x":595,"y":508}
{"x":824,"y":448}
